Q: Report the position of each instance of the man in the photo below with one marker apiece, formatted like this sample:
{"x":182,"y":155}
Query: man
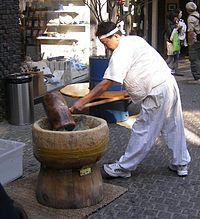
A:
{"x":147,"y":78}
{"x":193,"y":24}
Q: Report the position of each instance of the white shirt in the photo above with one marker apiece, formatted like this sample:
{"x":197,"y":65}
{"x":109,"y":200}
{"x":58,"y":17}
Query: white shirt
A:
{"x":182,"y":33}
{"x":138,"y":66}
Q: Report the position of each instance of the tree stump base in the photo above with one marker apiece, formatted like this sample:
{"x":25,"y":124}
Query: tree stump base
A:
{"x":69,"y":188}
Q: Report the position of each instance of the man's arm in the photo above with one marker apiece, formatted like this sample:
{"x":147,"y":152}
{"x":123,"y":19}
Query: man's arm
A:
{"x":95,"y":92}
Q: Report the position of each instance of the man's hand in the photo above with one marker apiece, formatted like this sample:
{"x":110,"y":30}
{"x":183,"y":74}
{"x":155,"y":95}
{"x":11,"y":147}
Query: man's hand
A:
{"x":78,"y":106}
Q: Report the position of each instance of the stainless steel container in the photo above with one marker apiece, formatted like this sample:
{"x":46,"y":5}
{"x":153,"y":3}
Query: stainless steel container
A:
{"x":19,"y":91}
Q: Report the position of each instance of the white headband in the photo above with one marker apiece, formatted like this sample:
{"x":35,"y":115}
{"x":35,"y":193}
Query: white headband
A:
{"x":109,"y":34}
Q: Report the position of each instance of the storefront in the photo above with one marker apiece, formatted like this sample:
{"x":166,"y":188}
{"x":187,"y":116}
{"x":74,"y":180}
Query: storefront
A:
{"x":57,"y":35}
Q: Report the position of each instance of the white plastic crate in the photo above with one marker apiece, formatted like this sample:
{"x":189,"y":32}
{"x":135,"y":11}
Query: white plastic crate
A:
{"x":11,"y":160}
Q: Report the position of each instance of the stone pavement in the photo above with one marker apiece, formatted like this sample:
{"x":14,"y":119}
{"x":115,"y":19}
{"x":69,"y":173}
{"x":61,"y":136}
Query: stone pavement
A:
{"x":153,"y":190}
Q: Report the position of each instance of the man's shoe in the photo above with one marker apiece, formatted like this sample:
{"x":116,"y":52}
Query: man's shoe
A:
{"x":115,"y":170}
{"x":181,"y":170}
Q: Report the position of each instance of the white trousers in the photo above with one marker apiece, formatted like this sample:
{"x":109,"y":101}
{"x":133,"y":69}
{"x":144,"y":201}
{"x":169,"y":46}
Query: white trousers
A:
{"x":161,"y":113}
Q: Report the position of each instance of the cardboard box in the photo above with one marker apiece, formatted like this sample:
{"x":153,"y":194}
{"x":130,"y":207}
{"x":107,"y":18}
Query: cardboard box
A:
{"x":11,"y":160}
{"x":38,"y":84}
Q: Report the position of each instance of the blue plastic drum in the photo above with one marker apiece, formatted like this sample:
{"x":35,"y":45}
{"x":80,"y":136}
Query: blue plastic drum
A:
{"x":111,"y":112}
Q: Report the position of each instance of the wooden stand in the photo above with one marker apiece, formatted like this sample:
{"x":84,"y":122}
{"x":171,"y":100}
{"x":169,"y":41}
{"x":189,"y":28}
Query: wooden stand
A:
{"x":68,"y":189}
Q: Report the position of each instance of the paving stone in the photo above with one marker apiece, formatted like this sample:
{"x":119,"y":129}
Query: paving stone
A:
{"x":164,"y":215}
{"x":179,"y":216}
